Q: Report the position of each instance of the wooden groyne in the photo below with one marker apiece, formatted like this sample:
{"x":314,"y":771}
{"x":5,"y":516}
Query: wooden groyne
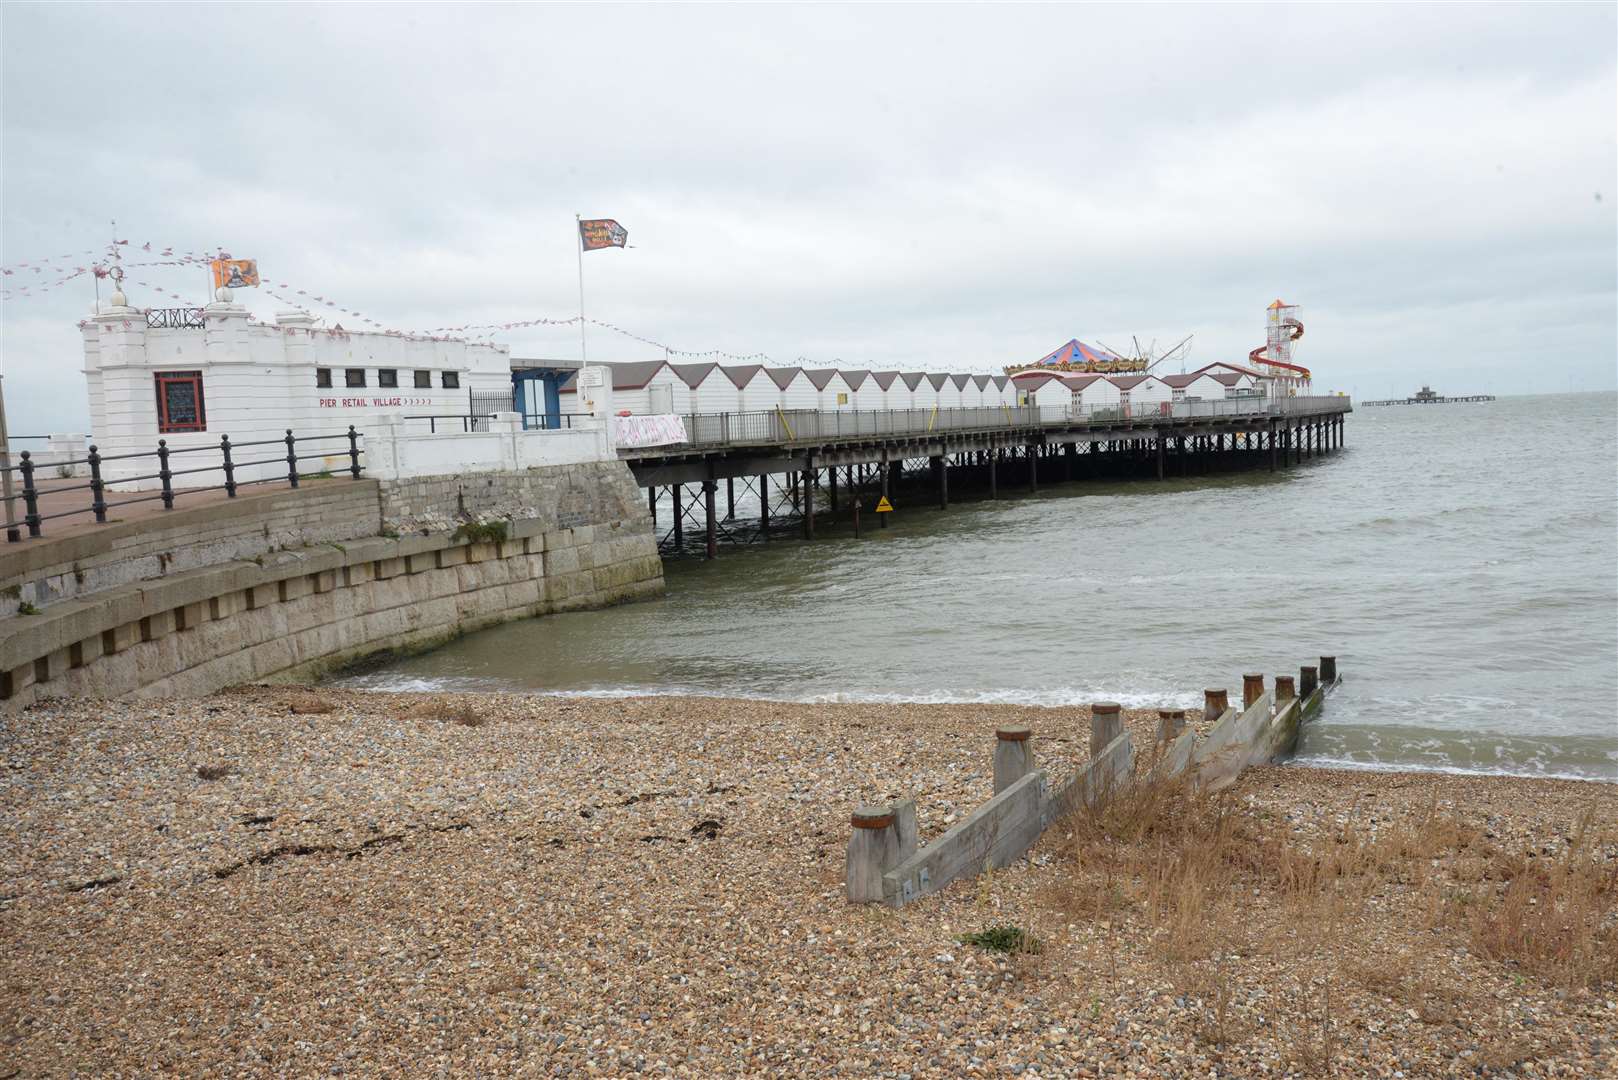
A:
{"x":887,"y":863}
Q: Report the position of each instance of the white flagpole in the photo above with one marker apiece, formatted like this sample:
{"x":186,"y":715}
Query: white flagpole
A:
{"x":578,"y":229}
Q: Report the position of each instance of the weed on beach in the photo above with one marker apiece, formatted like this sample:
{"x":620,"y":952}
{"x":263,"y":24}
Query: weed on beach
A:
{"x":447,"y":712}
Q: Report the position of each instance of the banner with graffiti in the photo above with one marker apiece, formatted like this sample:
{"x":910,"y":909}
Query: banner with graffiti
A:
{"x":598,"y":233}
{"x":235,"y":273}
{"x":656,"y":430}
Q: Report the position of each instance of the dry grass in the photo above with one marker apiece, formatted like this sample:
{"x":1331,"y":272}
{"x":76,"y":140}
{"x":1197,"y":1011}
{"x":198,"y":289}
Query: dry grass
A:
{"x":214,"y":771}
{"x":447,"y":712}
{"x":1379,"y":908}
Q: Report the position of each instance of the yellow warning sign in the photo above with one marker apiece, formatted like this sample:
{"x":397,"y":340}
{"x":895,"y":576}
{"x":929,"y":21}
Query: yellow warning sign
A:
{"x":883,"y":506}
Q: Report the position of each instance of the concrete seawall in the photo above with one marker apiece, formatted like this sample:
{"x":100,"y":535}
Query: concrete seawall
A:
{"x":293,"y":611}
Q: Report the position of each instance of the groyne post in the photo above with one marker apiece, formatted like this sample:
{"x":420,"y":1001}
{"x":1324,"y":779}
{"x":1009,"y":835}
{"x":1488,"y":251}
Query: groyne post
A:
{"x":1106,"y":724}
{"x":1013,"y":756}
{"x":1170,"y":722}
{"x":883,"y":837}
{"x":1308,"y":679}
{"x":1328,"y":669}
{"x":1214,"y":704}
{"x":1285,"y":689}
{"x":1252,"y":690}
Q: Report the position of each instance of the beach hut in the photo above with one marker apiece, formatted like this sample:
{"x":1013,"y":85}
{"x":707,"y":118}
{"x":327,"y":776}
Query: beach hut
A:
{"x":1141,"y":395}
{"x":1197,"y":386}
{"x":1003,"y":391}
{"x":1046,"y":390}
{"x":797,"y":390}
{"x":879,"y":393}
{"x":1092,"y":394}
{"x":832,"y":392}
{"x":945,"y":395}
{"x":917,"y":392}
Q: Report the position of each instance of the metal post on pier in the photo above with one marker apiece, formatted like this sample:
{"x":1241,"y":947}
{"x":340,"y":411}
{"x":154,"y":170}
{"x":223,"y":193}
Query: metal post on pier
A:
{"x":679,"y":517}
{"x":709,"y":491}
{"x":809,"y":498}
{"x":882,"y":474}
{"x":764,"y":505}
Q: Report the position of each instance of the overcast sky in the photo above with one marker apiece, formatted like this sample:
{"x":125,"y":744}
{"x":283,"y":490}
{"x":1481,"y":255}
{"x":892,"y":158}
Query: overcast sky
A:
{"x":915,"y":187}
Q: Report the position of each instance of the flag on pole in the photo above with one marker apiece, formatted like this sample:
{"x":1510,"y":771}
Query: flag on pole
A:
{"x":596,"y":233}
{"x":235,"y":273}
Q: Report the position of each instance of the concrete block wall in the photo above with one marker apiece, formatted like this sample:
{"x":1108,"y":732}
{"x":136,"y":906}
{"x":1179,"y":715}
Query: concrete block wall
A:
{"x":557,"y":496}
{"x":255,"y":523}
{"x":298,"y":613}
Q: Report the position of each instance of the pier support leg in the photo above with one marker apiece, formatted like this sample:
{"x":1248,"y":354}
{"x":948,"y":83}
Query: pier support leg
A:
{"x":809,"y":504}
{"x":709,"y":491}
{"x":1033,"y":468}
{"x":882,"y":473}
{"x":730,"y":498}
{"x":792,"y":489}
{"x":764,"y":505}
{"x":1160,"y":440}
{"x":940,"y":466}
{"x":831,"y":475}
{"x":679,"y":516}
{"x":994,"y":487}
{"x":1274,"y":452}
{"x":1069,"y":452}
{"x":651,"y":503}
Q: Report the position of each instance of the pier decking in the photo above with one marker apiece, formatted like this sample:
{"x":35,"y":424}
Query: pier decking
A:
{"x":867,"y":457}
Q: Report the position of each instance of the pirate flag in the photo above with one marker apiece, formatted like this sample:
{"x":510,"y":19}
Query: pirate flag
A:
{"x":597,"y":233}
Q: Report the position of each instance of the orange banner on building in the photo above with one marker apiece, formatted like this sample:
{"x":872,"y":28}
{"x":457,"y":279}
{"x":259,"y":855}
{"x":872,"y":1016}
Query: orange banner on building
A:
{"x":235,"y":273}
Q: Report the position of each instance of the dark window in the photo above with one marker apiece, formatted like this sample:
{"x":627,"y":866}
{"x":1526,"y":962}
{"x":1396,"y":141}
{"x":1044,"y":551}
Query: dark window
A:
{"x":452,"y":380}
{"x":354,"y":376}
{"x":387,"y":377}
{"x":179,"y":401}
{"x":424,"y":380}
{"x":323,"y":376}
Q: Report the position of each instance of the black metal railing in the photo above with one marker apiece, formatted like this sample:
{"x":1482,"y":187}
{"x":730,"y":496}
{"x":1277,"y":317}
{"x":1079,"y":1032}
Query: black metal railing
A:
{"x":220,"y":457}
{"x":176,"y":318}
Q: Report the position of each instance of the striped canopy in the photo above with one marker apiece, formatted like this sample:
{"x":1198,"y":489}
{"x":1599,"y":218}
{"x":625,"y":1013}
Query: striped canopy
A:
{"x":1076,"y":352}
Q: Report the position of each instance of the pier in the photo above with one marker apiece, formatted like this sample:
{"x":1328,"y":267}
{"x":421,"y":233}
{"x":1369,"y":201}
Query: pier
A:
{"x":794,"y":468}
{"x":1430,"y":400}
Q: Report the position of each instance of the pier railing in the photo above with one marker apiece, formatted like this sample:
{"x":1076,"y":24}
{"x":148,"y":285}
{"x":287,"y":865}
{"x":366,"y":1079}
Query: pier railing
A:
{"x":41,"y":497}
{"x":770,"y":427}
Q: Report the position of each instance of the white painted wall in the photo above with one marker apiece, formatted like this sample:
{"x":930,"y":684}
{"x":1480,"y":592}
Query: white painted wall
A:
{"x":760,"y":394}
{"x":923,"y":396}
{"x":1098,"y":394}
{"x":258,"y":380}
{"x":397,"y":451}
{"x":716,"y":394}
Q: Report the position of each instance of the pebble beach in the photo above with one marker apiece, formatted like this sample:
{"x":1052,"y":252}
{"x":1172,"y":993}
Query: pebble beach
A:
{"x":277,"y":881}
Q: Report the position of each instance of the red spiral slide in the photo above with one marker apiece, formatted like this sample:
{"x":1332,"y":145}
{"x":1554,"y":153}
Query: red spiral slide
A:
{"x":1257,"y":355}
